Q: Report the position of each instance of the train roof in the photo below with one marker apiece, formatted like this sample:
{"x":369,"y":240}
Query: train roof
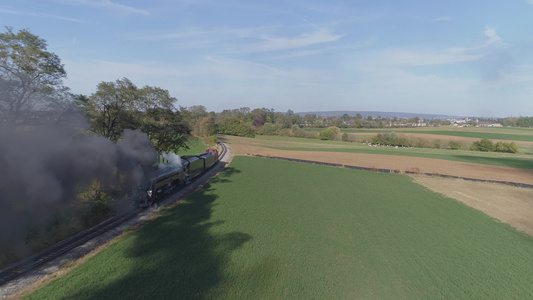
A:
{"x":190,"y":158}
{"x":168,"y":169}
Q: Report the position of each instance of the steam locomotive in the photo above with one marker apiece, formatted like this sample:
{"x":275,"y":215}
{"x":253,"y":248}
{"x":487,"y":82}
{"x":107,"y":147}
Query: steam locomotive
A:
{"x":164,"y":181}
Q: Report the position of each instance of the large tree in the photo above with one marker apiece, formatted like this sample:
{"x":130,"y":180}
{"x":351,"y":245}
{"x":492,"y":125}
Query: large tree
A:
{"x":110,"y":107}
{"x":29,"y":74}
{"x":193,"y":115}
{"x":120,"y":105}
{"x":157,"y":117}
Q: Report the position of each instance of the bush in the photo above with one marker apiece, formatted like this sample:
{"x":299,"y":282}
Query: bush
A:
{"x":487,"y":145}
{"x":454,"y":145}
{"x":345,"y":137}
{"x":512,"y":148}
{"x":296,"y":131}
{"x":437,"y":144}
{"x":269,"y":129}
{"x":329,"y":133}
{"x":506,"y":147}
{"x":99,"y":203}
{"x":211,"y":141}
{"x":483,"y":145}
{"x":391,"y":139}
{"x":284,"y":132}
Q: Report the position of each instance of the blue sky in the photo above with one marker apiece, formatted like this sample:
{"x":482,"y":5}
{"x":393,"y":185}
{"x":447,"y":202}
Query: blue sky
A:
{"x":472,"y":58}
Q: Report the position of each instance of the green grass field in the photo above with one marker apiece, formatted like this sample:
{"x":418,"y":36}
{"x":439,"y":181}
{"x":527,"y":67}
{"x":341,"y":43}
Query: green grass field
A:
{"x":495,"y":133}
{"x":269,"y":229}
{"x":495,"y":159}
{"x":196,"y":146}
{"x":523,"y":161}
{"x":502,"y":135}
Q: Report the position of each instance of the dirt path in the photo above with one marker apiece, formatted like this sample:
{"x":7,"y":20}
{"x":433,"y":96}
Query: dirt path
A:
{"x":511,"y":205}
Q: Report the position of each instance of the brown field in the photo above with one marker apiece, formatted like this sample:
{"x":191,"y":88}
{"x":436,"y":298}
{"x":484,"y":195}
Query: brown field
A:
{"x":511,"y":205}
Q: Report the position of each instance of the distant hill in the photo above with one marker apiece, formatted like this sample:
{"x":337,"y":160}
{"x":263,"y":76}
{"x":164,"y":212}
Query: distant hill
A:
{"x":375,"y":114}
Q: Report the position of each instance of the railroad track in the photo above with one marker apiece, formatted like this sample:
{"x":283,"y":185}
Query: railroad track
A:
{"x":28,"y":264}
{"x":22,"y":267}
{"x":223,"y":150}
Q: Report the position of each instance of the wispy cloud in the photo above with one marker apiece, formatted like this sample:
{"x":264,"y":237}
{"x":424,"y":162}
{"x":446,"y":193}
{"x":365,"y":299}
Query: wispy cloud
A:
{"x":107,"y":4}
{"x":405,"y":57}
{"x":281,"y":43}
{"x":443,"y":19}
{"x":302,"y":53}
{"x":169,"y":35}
{"x":211,"y":34}
{"x":329,"y":50}
{"x":402,"y":57}
{"x":38,"y":14}
{"x":492,"y":35}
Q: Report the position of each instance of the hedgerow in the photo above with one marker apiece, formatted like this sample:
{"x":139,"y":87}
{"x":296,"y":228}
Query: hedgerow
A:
{"x":487,"y":145}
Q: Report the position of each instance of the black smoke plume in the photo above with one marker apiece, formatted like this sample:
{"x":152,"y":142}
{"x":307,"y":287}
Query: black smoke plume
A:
{"x":42,"y":165}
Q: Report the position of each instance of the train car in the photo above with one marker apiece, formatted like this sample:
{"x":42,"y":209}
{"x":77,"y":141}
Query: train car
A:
{"x":215,"y":152}
{"x":195,"y":166}
{"x":209,"y":159}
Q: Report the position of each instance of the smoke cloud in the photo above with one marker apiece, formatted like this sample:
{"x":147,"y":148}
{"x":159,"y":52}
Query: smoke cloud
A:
{"x":173,"y":159}
{"x":42,"y":166}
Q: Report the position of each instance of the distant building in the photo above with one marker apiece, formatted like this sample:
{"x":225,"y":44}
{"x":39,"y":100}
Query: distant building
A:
{"x":489,"y":124}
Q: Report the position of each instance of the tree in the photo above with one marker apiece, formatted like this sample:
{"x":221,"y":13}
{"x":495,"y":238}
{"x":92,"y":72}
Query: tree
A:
{"x":120,"y":105}
{"x":258,"y":117}
{"x":193,"y":115}
{"x":234,"y":126}
{"x":309,"y":119}
{"x":207,"y":126}
{"x":165,"y":129}
{"x":29,"y":74}
{"x":110,"y":107}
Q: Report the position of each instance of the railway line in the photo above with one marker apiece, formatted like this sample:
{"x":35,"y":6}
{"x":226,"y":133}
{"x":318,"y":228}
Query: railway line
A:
{"x":32,"y":263}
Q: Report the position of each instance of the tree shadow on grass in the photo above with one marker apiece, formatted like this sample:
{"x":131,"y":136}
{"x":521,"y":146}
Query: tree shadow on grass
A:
{"x":175,"y":256}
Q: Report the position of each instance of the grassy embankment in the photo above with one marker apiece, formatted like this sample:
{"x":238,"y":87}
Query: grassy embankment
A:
{"x":282,"y":230}
{"x":196,"y":146}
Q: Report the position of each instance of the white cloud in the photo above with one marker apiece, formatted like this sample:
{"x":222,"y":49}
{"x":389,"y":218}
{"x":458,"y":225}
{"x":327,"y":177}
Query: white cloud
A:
{"x":492,"y":35}
{"x":304,"y":40}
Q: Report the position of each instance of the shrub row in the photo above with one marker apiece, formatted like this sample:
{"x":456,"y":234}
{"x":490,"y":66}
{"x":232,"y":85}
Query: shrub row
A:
{"x":488,"y":146}
{"x":401,"y":140}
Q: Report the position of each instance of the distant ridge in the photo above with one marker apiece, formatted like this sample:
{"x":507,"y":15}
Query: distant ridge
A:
{"x":375,"y":114}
